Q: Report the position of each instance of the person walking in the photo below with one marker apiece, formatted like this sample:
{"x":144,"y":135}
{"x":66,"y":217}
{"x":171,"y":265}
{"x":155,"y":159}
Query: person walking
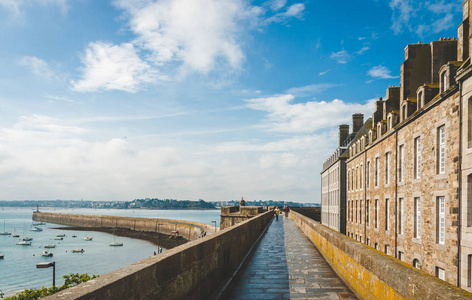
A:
{"x":287,"y":210}
{"x":277,"y":212}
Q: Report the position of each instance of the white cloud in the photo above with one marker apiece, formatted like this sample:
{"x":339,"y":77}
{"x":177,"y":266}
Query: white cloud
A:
{"x":380,"y":72}
{"x":283,"y":116}
{"x":197,"y":33}
{"x":276,"y":5}
{"x":324,"y":72}
{"x":38,"y":66}
{"x":59,"y":98}
{"x":423,"y":17}
{"x":362,"y":50}
{"x":294,"y":10}
{"x":341,"y":57}
{"x":310,"y":89}
{"x":113,"y":67}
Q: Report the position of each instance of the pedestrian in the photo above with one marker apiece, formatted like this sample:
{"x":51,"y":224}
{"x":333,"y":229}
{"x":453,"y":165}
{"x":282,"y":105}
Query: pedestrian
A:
{"x":155,"y":253}
{"x":277,"y":211}
{"x":287,"y":210}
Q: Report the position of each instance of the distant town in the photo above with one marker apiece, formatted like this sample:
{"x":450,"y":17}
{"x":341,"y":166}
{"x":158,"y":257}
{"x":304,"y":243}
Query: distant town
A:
{"x":147,"y":203}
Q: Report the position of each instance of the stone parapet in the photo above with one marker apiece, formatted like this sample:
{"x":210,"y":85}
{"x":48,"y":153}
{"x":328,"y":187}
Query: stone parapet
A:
{"x":196,"y":270}
{"x":371,"y":274}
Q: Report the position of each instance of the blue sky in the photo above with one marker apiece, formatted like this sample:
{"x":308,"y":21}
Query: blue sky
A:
{"x":189,"y":99}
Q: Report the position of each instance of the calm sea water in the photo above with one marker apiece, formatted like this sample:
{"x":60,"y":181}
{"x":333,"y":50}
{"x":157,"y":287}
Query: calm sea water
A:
{"x":18,"y":268}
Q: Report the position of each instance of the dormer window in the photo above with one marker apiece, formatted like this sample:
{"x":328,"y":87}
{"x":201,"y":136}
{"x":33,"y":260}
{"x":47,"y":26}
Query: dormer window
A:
{"x":420,"y":99}
{"x":444,"y":83}
{"x":389,"y":123}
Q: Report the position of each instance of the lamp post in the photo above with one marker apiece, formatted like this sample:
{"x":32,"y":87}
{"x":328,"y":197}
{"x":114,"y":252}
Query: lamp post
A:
{"x":215,"y":225}
{"x":159,"y":248}
{"x":46,"y":265}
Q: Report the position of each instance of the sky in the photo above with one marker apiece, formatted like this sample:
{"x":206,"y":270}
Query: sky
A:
{"x":193,"y":99}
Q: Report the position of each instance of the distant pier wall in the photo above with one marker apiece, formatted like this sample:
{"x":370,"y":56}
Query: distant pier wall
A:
{"x":186,"y":229}
{"x":194,"y":270}
{"x":372,"y":274}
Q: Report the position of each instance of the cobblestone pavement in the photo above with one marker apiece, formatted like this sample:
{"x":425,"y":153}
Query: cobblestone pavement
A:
{"x":286,"y":265}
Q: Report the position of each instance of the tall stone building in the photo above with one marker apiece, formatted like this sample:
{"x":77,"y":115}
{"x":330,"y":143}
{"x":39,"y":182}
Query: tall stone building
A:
{"x":409,"y":168}
{"x":333,"y":179}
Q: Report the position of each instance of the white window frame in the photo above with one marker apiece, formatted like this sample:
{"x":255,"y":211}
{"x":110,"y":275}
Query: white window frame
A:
{"x":400,"y":216}
{"x":417,"y":157}
{"x":367,"y":179}
{"x":401,"y":172}
{"x":387,"y":214}
{"x":377,"y":167}
{"x":417,"y":217}
{"x":441,"y":219}
{"x":442,"y":149}
{"x":441,"y":273}
{"x":376,"y":225}
{"x":387,"y":168}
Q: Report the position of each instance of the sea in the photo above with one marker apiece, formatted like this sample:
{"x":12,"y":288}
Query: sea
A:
{"x":18,"y":268}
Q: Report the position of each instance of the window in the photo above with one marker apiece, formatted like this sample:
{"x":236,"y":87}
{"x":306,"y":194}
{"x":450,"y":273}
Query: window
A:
{"x":440,"y":273}
{"x":367,"y":241}
{"x":469,"y":270}
{"x":360,"y":211}
{"x":440,"y":220}
{"x":469,"y":200}
{"x":444,"y":81}
{"x":400,"y":216}
{"x":376,"y":246}
{"x":376,"y":221}
{"x":360,"y":238}
{"x":401,"y":166}
{"x":401,"y":256}
{"x":387,"y":168}
{"x":469,"y":120}
{"x":376,"y":175}
{"x":417,"y":163}
{"x":360,"y":177}
{"x":357,"y":178}
{"x":367,"y":215}
{"x":416,"y":263}
{"x":387,"y":217}
{"x":367,"y":178}
{"x":417,"y":219}
{"x":348,"y":179}
{"x":387,"y":249}
{"x":356,"y":212}
{"x":441,"y":153}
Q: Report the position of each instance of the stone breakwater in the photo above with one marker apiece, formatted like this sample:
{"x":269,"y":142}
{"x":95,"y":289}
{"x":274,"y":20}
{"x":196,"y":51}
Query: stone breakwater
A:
{"x":158,"y":239}
{"x":185,"y":229}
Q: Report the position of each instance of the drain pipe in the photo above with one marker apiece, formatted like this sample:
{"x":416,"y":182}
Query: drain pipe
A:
{"x":459,"y":175}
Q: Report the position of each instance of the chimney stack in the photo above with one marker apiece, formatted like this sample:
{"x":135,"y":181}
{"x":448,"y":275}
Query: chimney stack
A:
{"x":357,"y":122}
{"x":343,"y":133}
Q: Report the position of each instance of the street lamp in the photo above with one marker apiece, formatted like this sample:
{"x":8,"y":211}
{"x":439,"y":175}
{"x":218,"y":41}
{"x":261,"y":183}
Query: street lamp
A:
{"x":46,"y":265}
{"x":215,"y":225}
{"x":159,"y":248}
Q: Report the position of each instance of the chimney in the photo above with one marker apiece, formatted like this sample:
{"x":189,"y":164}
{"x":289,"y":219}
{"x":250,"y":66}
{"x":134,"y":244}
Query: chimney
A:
{"x":343,"y":133}
{"x":357,"y":122}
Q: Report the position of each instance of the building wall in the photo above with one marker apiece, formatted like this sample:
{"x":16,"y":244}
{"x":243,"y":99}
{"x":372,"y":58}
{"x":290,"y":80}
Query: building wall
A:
{"x":332,"y":202}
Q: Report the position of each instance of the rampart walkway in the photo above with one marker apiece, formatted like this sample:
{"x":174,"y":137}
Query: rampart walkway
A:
{"x":286,"y":265}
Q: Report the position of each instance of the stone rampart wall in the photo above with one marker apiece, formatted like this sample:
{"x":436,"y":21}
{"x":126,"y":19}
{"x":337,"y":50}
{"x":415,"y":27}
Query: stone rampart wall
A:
{"x":188,"y":230}
{"x":371,"y":274}
{"x":195,"y":270}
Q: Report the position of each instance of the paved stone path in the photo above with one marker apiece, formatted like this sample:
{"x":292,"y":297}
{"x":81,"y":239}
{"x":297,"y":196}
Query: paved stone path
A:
{"x":286,"y":265}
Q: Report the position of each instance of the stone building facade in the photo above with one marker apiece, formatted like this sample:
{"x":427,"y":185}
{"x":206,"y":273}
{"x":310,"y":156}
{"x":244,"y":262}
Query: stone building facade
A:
{"x":333,"y":179}
{"x":409,"y":170}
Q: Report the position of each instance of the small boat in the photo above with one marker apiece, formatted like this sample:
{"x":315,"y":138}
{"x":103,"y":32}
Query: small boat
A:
{"x":36,"y":229}
{"x":61,"y":235}
{"x":2,"y":256}
{"x":78,"y":250}
{"x":74,"y":236}
{"x":4,"y":232}
{"x":15,"y":235}
{"x":46,"y":253}
{"x":38,"y":223}
{"x":115,"y":243}
{"x":24,"y":243}
{"x":58,"y":238}
{"x":87,"y":238}
{"x":49,"y":246}
{"x":26,"y":239}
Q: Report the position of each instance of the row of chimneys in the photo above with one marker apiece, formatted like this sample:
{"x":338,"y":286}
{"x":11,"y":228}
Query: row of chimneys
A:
{"x":357,"y":123}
